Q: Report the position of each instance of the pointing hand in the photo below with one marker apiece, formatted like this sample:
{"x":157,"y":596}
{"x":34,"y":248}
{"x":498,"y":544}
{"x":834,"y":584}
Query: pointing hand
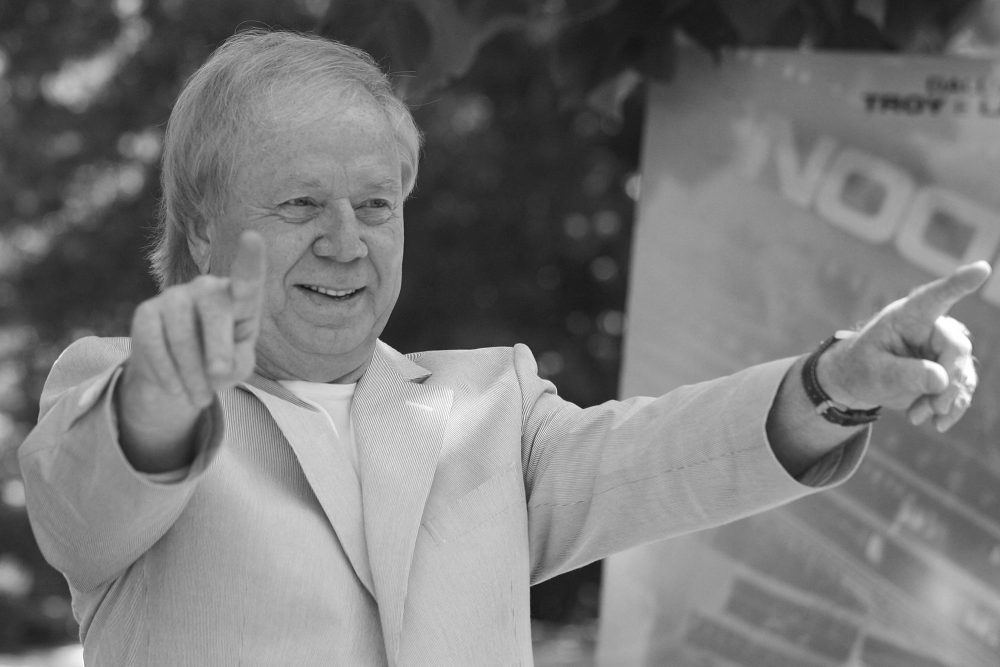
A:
{"x":911,"y":356}
{"x":188,"y":343}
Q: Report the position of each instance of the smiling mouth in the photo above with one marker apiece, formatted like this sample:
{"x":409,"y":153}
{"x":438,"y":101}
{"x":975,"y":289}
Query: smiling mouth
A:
{"x":339,"y":294}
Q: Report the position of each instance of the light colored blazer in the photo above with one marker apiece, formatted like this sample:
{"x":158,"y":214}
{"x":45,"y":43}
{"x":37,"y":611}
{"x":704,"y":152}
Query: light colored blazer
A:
{"x":475,"y":481}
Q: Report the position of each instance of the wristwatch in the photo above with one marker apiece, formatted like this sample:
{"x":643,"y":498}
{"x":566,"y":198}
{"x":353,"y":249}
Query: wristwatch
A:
{"x":826,"y":407}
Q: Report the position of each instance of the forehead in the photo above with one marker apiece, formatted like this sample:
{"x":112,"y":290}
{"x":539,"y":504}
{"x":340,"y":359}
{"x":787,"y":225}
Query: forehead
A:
{"x":340,"y":141}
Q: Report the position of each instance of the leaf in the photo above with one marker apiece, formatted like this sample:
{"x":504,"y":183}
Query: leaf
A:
{"x":581,"y":10}
{"x":608,"y":97}
{"x":434,"y":40}
{"x":594,"y":61}
{"x":457,"y":38}
{"x":790,"y":30}
{"x":581,"y":56}
{"x":660,"y":58}
{"x":860,"y":33}
{"x":487,"y":10}
{"x":923,"y":25}
{"x":709,"y":26}
{"x":754,"y":20}
{"x":394,"y":32}
{"x":835,"y":13}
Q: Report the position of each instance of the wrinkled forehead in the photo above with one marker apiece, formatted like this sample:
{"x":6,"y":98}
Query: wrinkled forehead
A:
{"x":344,"y":142}
{"x":286,"y":110}
{"x":310,"y":99}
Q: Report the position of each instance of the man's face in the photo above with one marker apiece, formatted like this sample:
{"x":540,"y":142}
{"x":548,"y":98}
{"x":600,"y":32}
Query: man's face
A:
{"x":324,"y":190}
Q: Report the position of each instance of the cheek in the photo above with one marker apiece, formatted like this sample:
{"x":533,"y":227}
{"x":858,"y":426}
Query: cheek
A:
{"x":222,"y":252}
{"x":281,"y":258}
{"x":389,"y":259}
{"x":284,"y":250}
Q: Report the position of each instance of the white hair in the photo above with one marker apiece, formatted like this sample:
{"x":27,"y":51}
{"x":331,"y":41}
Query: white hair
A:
{"x":222,"y":101}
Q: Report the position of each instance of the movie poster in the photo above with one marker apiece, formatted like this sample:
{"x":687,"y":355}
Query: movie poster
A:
{"x":786,"y":195}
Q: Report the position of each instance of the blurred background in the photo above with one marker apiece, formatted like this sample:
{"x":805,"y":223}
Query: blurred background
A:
{"x":518,"y":230}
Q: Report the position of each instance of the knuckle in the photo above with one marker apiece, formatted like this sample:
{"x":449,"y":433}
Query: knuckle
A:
{"x":942,"y":402}
{"x":198,"y":385}
{"x":962,"y":345}
{"x":145,"y":308}
{"x":965,"y":376}
{"x":207,"y":282}
{"x":965,"y":346}
{"x":956,"y":333}
{"x":176,"y":298}
{"x":968,"y":378}
{"x":146,"y":314}
{"x":244,"y":364}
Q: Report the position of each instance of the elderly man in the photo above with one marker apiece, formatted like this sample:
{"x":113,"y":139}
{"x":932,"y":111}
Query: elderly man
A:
{"x":254,"y":478}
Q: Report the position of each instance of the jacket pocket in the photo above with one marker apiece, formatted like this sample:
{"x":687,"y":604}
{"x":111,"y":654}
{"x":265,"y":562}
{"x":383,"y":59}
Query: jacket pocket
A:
{"x":477,"y":508}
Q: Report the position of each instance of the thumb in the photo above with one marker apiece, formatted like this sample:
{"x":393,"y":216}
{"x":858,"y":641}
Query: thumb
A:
{"x":247,"y":272}
{"x":246,"y":284}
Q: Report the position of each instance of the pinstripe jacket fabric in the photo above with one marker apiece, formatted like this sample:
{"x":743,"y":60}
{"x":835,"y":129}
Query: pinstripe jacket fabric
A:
{"x":475,"y":481}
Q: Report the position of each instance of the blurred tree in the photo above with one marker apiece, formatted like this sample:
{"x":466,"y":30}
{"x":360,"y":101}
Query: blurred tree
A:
{"x":519,"y":227}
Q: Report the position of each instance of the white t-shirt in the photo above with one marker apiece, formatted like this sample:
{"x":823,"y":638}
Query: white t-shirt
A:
{"x":335,"y":401}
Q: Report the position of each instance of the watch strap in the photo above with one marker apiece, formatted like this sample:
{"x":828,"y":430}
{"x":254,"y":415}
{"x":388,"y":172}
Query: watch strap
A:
{"x":826,"y":407}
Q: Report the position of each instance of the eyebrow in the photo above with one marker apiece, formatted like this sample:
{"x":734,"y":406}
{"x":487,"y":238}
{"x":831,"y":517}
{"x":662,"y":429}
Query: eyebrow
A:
{"x":297,"y":182}
{"x":386,"y":184}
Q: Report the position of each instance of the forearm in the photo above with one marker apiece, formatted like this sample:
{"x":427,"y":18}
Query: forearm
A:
{"x":92,"y":512}
{"x":157,"y":431}
{"x":798,"y":434}
{"x":692,"y":459}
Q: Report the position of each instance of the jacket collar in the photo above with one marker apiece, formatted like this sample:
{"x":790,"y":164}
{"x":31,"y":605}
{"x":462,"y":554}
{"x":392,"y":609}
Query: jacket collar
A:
{"x":399,"y":422}
{"x":383,"y":355}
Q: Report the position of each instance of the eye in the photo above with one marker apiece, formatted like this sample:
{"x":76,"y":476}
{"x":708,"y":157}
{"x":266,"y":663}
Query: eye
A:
{"x":375,"y":211}
{"x":300,"y":202}
{"x":298,"y":209}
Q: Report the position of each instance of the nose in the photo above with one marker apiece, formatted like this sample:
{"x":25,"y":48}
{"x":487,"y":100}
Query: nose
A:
{"x":339,"y":236}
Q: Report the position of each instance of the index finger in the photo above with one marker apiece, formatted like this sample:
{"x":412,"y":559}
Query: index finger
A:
{"x":936,"y":298}
{"x":246,"y":274}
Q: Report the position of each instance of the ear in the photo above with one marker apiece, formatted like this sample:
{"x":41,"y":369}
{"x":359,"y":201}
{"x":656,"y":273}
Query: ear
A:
{"x":199,"y":242}
{"x":407,"y":177}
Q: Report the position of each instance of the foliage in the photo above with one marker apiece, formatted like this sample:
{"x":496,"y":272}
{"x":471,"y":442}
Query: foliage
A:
{"x":598,"y":50}
{"x":518,"y":229}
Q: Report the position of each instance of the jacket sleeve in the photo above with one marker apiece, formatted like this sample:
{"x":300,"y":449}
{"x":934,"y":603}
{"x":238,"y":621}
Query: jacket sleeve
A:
{"x":93,"y":514}
{"x":624,"y":473}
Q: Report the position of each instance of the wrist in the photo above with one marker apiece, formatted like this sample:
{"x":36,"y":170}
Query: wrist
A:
{"x":826,"y":376}
{"x":834,"y":375}
{"x":156,"y":431}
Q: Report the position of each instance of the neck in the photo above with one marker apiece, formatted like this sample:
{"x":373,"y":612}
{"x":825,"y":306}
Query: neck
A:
{"x":326,"y":370}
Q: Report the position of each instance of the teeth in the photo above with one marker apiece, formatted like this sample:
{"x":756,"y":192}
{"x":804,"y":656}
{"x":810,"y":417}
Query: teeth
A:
{"x":330,"y":292}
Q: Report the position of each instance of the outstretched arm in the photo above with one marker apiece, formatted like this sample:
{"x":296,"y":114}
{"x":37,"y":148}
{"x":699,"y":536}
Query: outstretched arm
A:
{"x":111,"y":411}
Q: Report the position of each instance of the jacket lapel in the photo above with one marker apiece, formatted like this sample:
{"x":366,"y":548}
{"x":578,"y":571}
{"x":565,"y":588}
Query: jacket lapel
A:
{"x":328,"y":470}
{"x":399,"y":425}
